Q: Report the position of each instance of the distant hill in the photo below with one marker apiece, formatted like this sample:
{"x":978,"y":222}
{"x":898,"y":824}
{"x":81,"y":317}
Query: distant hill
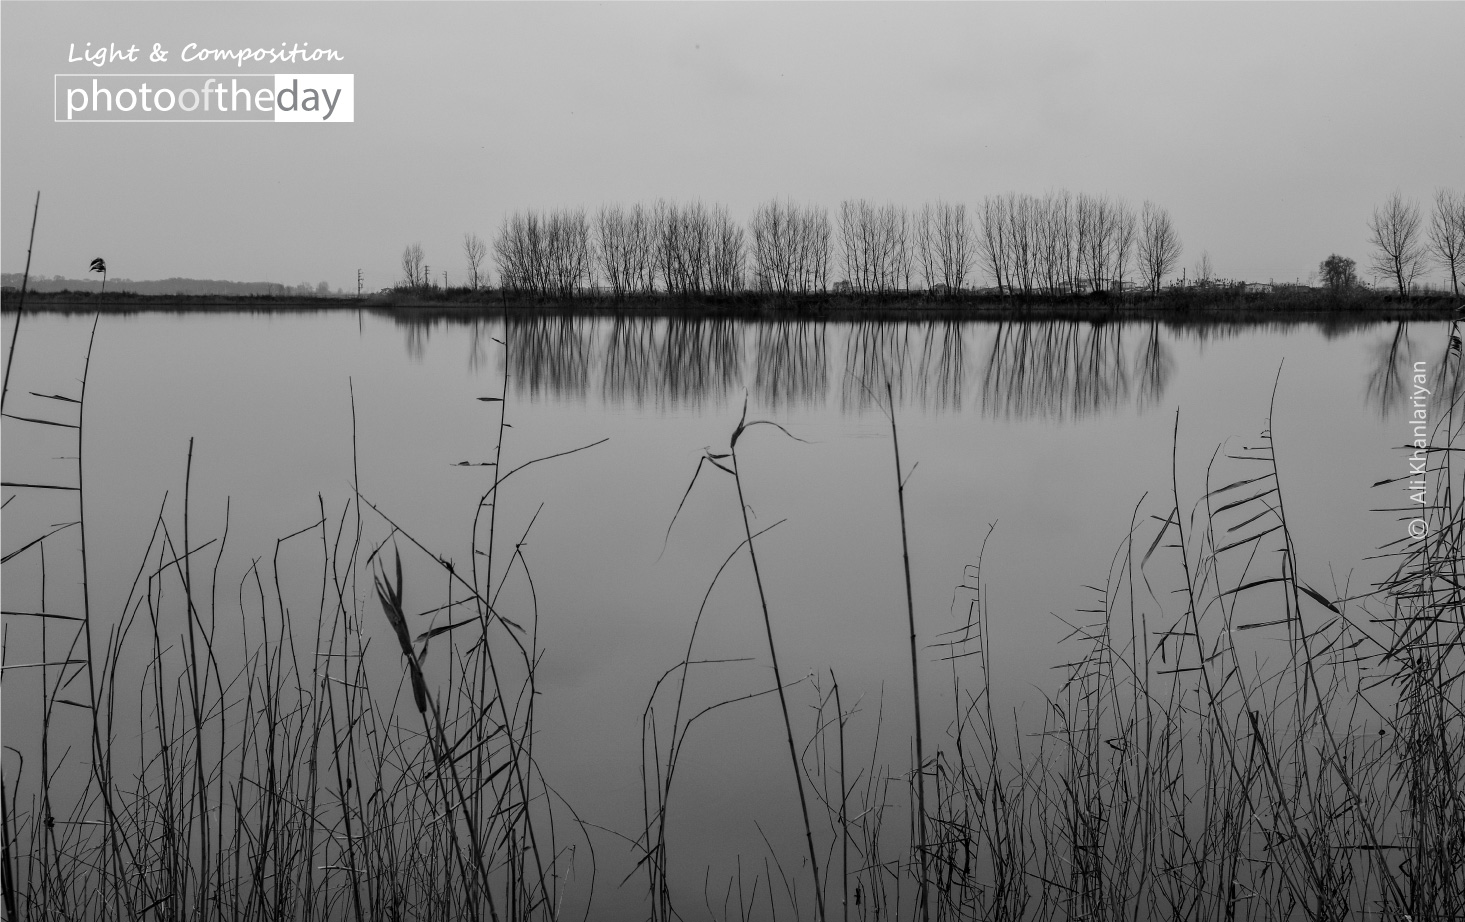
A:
{"x":173,"y":286}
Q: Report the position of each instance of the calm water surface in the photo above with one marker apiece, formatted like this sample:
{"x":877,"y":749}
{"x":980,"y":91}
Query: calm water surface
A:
{"x":1051,"y":435}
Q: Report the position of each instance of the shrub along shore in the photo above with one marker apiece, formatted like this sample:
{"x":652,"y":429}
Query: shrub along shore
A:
{"x":1196,"y":304}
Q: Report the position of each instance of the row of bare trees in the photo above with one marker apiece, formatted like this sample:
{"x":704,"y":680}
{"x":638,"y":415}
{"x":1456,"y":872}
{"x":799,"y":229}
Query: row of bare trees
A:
{"x":546,"y":254}
{"x":877,"y":246}
{"x":1061,"y":243}
{"x":790,"y":247}
{"x":1058,"y":243}
{"x":678,"y":248}
{"x":1403,"y":247}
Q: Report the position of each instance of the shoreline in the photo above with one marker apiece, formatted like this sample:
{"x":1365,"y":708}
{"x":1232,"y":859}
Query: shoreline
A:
{"x":1174,"y":306}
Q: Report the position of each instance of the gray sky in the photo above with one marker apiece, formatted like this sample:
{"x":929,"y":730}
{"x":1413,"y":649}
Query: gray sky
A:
{"x":1269,"y":130}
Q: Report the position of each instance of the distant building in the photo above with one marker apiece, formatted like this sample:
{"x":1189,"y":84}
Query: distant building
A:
{"x":1080,"y":287}
{"x":843,"y":287}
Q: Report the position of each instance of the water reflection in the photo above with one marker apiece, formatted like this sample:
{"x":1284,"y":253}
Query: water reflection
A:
{"x":1057,"y":370}
{"x":1060,"y":370}
{"x":875,"y":354}
{"x":479,"y":334}
{"x":941,"y":375}
{"x":630,"y":362}
{"x":792,"y":364}
{"x":415,"y":339}
{"x":551,"y":355}
{"x":700,"y":360}
{"x":1153,"y":365}
{"x":1444,"y":375}
{"x":1388,"y":376}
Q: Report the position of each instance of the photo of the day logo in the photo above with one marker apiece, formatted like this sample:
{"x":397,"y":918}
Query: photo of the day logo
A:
{"x":319,"y":98}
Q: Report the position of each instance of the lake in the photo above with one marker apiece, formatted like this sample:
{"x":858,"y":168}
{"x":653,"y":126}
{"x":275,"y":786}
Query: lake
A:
{"x":1035,"y":449}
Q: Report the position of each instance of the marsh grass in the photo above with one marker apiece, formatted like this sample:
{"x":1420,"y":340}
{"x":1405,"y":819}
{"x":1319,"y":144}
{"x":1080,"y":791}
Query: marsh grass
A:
{"x":291,"y":782}
{"x":1224,"y":739}
{"x":1227,"y":740}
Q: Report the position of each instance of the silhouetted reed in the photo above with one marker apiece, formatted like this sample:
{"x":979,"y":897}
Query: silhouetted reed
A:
{"x":282,"y":782}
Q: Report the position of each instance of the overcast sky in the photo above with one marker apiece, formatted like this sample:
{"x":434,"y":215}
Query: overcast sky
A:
{"x":1269,"y":131}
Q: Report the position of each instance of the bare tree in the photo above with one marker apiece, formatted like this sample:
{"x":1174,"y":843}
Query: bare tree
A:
{"x":946,"y":243}
{"x":568,"y":252}
{"x":517,"y":250}
{"x":545,"y":255}
{"x":1394,"y":232}
{"x":1100,"y":240}
{"x":626,"y":247}
{"x":414,"y":266}
{"x":684,"y":246}
{"x":876,"y":244}
{"x":614,"y":249}
{"x":995,"y":247}
{"x":790,"y":247}
{"x":642,"y":232}
{"x":1447,"y":234}
{"x":1054,"y":237}
{"x":1024,"y":237}
{"x":1159,"y":245}
{"x":727,"y":257}
{"x":1203,"y":270}
{"x":1126,"y":230}
{"x":474,"y":250}
{"x":1077,"y":220}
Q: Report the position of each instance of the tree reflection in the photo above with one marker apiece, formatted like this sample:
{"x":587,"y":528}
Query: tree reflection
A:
{"x":1060,"y":370}
{"x":1389,"y":387}
{"x":1385,"y":388}
{"x":1054,"y":369}
{"x":1444,"y":376}
{"x":699,"y":359}
{"x":415,"y":335}
{"x":551,"y":355}
{"x":941,"y":374}
{"x":874,"y":353}
{"x":792,"y":366}
{"x":631,"y":360}
{"x":478,"y":353}
{"x":1153,"y":365}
